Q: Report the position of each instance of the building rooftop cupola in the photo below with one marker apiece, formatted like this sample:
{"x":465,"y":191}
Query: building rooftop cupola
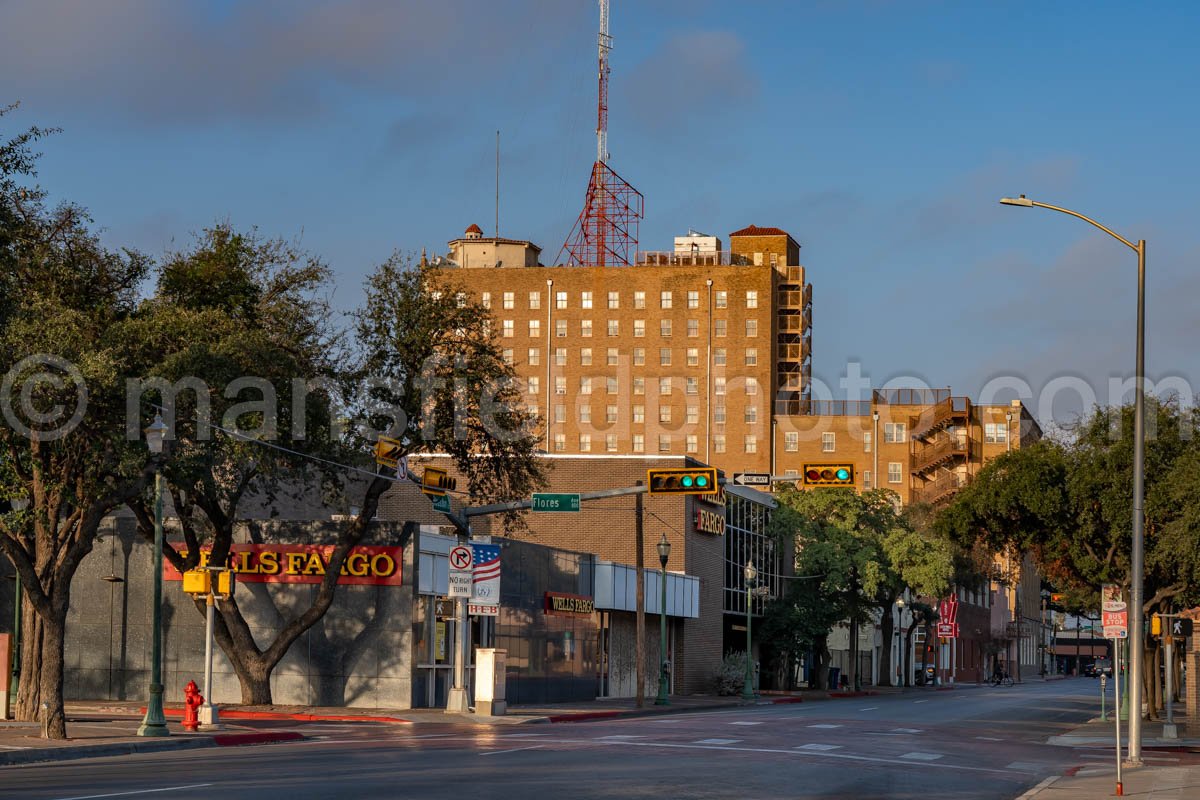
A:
{"x":473,"y":232}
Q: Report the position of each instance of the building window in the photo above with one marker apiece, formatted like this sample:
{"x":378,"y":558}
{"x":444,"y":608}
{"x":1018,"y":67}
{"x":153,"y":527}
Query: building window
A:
{"x":664,"y":356}
{"x":535,"y":356}
{"x":894,"y":471}
{"x":719,"y":356}
{"x":751,"y":414}
{"x":639,"y":299}
{"x":751,"y":327}
{"x":610,"y":442}
{"x":560,"y":300}
{"x":664,"y":413}
{"x":586,"y":300}
{"x":722,"y":298}
{"x":639,"y":443}
{"x":719,"y":327}
{"x":692,"y":443}
{"x":533,"y":383}
{"x":693,"y":299}
{"x":664,"y":386}
{"x":867,"y":436}
{"x":791,"y":441}
{"x":614,"y":327}
{"x":585,"y":442}
{"x":486,"y":299}
{"x":639,"y":356}
{"x":828,"y":442}
{"x":460,"y":299}
{"x":585,"y":385}
{"x":560,"y":413}
{"x":532,"y":408}
{"x":693,"y":386}
{"x":510,"y":300}
{"x":507,"y":355}
{"x":995,"y":432}
{"x":560,"y":384}
{"x":535,"y":300}
{"x":560,"y":356}
{"x":535,"y":329}
{"x":719,"y":443}
{"x":751,"y":387}
{"x":866,"y":479}
{"x":894,"y":433}
{"x":560,"y":442}
{"x":693,"y":415}
{"x":664,"y":327}
{"x":614,"y":356}
{"x":664,"y":299}
{"x":585,"y":328}
{"x":611,"y":383}
{"x":585,"y":413}
{"x":751,"y":444}
{"x":585,"y":356}
{"x":719,"y":415}
{"x":507,"y":327}
{"x":693,"y":327}
{"x":664,"y":443}
{"x":751,"y":356}
{"x":560,"y":328}
{"x":639,"y":385}
{"x":639,"y":328}
{"x":614,"y":299}
{"x":639,"y":415}
{"x":610,"y":414}
{"x":693,"y":356}
{"x":751,"y":299}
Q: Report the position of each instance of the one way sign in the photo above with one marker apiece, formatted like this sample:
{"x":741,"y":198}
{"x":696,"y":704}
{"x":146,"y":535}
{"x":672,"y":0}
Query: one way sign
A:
{"x":752,"y":479}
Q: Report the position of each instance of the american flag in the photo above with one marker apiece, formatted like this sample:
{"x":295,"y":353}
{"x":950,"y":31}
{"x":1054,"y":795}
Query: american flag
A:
{"x":487,"y":562}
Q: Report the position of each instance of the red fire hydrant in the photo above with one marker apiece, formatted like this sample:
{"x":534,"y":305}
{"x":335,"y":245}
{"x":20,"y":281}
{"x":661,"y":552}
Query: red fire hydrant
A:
{"x":192,"y":700}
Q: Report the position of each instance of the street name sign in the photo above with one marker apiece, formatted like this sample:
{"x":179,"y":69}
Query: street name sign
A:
{"x":555,"y":502}
{"x":752,"y":479}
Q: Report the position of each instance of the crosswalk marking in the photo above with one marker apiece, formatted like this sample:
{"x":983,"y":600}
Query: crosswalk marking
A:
{"x":745,"y":723}
{"x":818,"y":746}
{"x":823,"y":725}
{"x":906,"y":730}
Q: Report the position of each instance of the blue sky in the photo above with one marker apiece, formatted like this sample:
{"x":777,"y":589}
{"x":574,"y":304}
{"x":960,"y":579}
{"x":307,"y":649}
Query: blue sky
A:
{"x":880,"y":134}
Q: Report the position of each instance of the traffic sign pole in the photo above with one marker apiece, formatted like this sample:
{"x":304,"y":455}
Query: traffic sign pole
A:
{"x":456,"y":698}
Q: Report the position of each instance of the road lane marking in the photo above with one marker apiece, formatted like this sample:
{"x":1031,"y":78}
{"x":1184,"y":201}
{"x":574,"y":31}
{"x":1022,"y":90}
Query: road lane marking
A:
{"x":137,"y":791}
{"x":906,"y":730}
{"x":824,"y":726}
{"x":989,"y":738}
{"x":11,"y":747}
{"x":921,"y":701}
{"x":745,"y":723}
{"x":622,"y":736}
{"x":705,"y":741}
{"x":513,"y":750}
{"x":922,"y":756}
{"x":1028,"y":766}
{"x":869,"y":708}
{"x":817,"y":746}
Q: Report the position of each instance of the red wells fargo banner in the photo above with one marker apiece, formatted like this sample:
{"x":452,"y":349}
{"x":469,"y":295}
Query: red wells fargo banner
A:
{"x":365,"y":565}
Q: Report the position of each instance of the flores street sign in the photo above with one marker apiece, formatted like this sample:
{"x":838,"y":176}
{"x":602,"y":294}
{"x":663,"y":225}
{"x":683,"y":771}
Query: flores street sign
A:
{"x":555,"y":502}
{"x":752,"y":479}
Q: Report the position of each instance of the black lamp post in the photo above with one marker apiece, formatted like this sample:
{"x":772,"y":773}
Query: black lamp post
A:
{"x":664,"y":553}
{"x":750,"y":573}
{"x":155,"y":721}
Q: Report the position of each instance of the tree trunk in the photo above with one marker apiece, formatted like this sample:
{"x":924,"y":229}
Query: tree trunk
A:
{"x":255,"y":680}
{"x":29,"y":692}
{"x":54,"y":722}
{"x":820,"y":671}
{"x":906,"y":658}
{"x":852,"y":672}
{"x":888,"y":625}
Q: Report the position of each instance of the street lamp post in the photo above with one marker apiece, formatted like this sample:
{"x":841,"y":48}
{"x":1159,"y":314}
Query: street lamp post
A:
{"x":664,"y":553}
{"x":155,"y":722}
{"x":750,"y":573}
{"x":20,"y":504}
{"x":1139,"y":477}
{"x":900,"y":650}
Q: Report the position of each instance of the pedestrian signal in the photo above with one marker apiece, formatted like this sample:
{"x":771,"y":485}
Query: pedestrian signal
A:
{"x":686,"y":480}
{"x":828,"y":474}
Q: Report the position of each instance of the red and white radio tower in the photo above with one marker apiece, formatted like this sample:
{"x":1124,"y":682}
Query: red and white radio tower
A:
{"x":606,"y":233}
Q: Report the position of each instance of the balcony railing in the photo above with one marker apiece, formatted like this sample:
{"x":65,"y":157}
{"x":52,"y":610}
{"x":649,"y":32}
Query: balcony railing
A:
{"x":938,"y":452}
{"x":936,"y":417}
{"x":939,"y":490}
{"x":791,"y":298}
{"x":669,"y":258}
{"x":793,"y":323}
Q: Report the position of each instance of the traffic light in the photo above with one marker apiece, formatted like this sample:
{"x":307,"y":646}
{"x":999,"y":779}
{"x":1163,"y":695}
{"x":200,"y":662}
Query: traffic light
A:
{"x":1156,"y":625}
{"x":1056,"y":598}
{"x":685,"y":480}
{"x":435,"y":482}
{"x":828,"y":474}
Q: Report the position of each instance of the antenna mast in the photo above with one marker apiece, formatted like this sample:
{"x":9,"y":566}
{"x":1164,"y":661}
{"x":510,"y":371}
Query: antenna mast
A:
{"x":606,"y":232}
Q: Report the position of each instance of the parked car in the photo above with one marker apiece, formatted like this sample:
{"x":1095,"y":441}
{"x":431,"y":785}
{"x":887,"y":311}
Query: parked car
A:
{"x":1101,"y":666}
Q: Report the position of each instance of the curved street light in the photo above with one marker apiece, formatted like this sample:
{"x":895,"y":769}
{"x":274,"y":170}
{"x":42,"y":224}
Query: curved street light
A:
{"x":750,"y":573}
{"x":1139,"y":477}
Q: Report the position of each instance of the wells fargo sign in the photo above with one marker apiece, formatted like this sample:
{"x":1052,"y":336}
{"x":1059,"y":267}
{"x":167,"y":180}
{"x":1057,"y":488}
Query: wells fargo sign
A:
{"x":365,"y":565}
{"x":710,"y":521}
{"x":557,"y":603}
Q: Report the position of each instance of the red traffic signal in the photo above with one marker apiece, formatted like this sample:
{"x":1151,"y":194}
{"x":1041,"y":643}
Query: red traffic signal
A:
{"x":686,"y":480}
{"x":828,"y":474}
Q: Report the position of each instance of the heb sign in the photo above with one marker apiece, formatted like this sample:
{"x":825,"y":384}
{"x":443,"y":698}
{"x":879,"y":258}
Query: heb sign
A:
{"x":365,"y":565}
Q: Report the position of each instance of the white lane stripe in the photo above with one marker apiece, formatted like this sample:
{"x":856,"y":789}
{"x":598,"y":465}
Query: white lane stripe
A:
{"x":713,"y":741}
{"x":824,"y":726}
{"x":622,"y":736}
{"x":923,"y":756}
{"x":822,"y":747}
{"x":989,"y":738}
{"x":906,"y":730}
{"x":745,"y":723}
{"x":514,"y":750}
{"x":138,"y":791}
{"x":869,"y":708}
{"x":11,"y":747}
{"x":921,"y":701}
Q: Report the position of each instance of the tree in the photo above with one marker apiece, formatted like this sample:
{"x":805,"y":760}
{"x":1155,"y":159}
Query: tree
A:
{"x":67,"y":313}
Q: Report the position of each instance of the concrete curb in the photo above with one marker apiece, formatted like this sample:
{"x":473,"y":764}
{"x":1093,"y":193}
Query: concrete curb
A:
{"x":234,"y":713}
{"x":36,"y":755}
{"x":592,"y":716}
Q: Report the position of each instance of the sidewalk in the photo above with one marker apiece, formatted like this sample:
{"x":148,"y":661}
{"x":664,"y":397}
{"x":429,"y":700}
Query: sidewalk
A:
{"x":1145,"y":783}
{"x":1100,"y":733}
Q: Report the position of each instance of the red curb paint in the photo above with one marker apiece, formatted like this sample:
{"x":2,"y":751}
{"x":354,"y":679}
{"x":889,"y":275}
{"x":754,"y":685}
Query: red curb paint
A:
{"x":852,"y":694}
{"x":783,"y":700}
{"x":1070,"y":772}
{"x":585,"y":716}
{"x":235,"y":739}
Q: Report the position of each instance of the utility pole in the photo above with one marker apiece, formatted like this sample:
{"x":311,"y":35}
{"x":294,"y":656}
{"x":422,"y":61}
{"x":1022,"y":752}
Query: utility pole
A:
{"x":640,"y":650}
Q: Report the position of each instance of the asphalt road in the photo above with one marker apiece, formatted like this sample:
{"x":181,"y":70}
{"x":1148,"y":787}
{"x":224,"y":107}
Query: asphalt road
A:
{"x":968,"y":743}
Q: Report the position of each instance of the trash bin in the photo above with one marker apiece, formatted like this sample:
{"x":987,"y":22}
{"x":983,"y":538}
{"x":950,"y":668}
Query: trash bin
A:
{"x":834,"y":674}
